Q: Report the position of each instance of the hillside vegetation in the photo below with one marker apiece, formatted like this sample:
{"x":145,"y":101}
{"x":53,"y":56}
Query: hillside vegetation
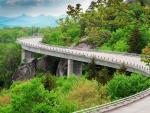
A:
{"x":111,"y":26}
{"x":64,"y":95}
{"x":10,"y":53}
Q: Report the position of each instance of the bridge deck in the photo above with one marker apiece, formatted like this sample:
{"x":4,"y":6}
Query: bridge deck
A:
{"x":140,"y":106}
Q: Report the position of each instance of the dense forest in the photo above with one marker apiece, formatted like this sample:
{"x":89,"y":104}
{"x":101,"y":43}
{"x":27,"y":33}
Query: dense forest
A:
{"x":107,"y":25}
{"x":111,"y":26}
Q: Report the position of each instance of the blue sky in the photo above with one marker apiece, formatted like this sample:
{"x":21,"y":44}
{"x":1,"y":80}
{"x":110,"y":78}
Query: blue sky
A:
{"x":37,"y":7}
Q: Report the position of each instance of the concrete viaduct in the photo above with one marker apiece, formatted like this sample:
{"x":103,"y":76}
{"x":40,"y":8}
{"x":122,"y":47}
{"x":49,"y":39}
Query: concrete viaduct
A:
{"x":75,"y":58}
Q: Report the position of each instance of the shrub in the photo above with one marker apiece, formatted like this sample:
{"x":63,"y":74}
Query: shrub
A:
{"x":64,"y":85}
{"x":146,"y":53}
{"x":5,"y":109}
{"x":88,"y":93}
{"x":103,"y":76}
{"x":135,"y":41}
{"x":119,"y":34}
{"x":67,"y":32}
{"x":5,"y":98}
{"x":28,"y":96}
{"x":49,"y":82}
{"x":120,"y":46}
{"x":32,"y":97}
{"x":122,"y":86}
{"x":105,"y":47}
{"x":92,"y":71}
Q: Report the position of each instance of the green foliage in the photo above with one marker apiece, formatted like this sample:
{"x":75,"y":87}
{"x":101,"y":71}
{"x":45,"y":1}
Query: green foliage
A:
{"x":69,"y":94}
{"x":105,"y":47}
{"x":9,"y":61}
{"x":92,"y":71}
{"x":134,"y":45}
{"x":32,"y":97}
{"x":6,"y":109}
{"x":88,"y":93}
{"x":103,"y":76}
{"x":97,"y":37}
{"x":122,"y":86}
{"x":107,"y":25}
{"x":5,"y":98}
{"x":9,"y":35}
{"x":49,"y":82}
{"x":146,"y":55}
{"x":68,"y":32}
{"x":121,"y":46}
{"x":53,"y":37}
{"x":74,"y":12}
{"x":66,"y":84}
{"x":118,"y":41}
{"x":10,"y":53}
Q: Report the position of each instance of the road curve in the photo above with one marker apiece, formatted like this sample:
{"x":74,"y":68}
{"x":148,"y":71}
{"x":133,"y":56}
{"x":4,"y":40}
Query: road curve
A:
{"x":140,"y":106}
{"x":132,"y":62}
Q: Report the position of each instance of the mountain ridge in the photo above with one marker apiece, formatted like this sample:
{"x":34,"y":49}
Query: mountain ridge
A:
{"x":29,"y":21}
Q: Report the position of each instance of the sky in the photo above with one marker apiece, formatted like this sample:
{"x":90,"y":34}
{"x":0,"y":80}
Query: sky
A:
{"x":12,"y":8}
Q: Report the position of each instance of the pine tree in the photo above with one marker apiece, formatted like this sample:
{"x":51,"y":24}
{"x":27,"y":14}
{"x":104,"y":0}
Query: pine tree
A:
{"x":134,"y":41}
{"x":103,"y":76}
{"x":92,"y":71}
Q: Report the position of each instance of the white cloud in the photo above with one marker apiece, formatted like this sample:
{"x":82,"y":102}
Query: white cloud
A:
{"x":54,"y":10}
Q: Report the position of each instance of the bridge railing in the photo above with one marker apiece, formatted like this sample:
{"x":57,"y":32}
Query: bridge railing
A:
{"x":117,"y":103}
{"x":91,"y":54}
{"x":90,"y":50}
{"x":93,"y":50}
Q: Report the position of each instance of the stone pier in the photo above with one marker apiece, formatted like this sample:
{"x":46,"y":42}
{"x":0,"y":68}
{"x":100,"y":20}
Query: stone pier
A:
{"x":27,"y":56}
{"x":74,"y":67}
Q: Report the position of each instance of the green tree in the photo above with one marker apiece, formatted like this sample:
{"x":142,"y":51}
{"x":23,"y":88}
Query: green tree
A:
{"x":103,"y":76}
{"x":135,"y":42}
{"x":146,"y":55}
{"x":49,"y":82}
{"x":88,"y":93}
{"x":122,"y":86}
{"x":32,"y":97}
{"x":92,"y":70}
{"x":74,"y":12}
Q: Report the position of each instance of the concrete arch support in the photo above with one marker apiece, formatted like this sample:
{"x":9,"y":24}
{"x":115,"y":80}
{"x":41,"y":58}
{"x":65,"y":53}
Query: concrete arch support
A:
{"x":74,"y":67}
{"x":27,"y":56}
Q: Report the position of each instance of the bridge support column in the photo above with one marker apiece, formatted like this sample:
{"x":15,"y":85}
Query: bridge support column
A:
{"x":70,"y":67}
{"x":22,"y":55}
{"x":74,"y":67}
{"x":27,"y":56}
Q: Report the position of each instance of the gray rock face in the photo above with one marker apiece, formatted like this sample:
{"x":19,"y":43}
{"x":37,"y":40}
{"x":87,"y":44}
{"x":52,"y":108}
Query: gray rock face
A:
{"x":24,"y":72}
{"x":83,"y":46}
{"x":28,"y":70}
{"x":62,"y":68}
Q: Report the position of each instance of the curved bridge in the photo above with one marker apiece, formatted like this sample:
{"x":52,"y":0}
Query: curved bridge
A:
{"x":109,"y":59}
